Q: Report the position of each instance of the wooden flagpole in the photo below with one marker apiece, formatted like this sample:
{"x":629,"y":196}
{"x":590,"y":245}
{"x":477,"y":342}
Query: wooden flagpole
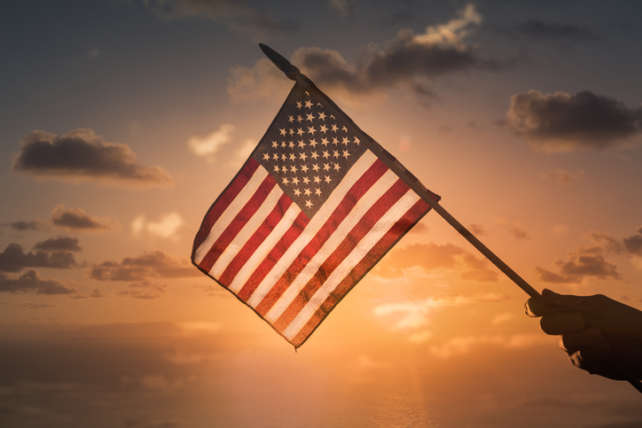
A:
{"x":293,"y":73}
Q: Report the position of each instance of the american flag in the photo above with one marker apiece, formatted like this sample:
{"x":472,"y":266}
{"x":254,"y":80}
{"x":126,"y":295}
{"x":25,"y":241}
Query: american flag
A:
{"x":312,"y":210}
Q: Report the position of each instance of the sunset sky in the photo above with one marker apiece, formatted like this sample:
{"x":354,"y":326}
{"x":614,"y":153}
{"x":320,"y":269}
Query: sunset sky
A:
{"x":122,"y":121}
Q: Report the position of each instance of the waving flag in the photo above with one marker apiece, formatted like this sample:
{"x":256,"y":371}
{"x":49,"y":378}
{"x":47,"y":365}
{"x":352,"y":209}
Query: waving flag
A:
{"x":311,"y":211}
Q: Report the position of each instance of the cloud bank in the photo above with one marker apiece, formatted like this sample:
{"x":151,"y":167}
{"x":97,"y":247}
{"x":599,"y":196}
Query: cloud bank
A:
{"x":150,"y":265}
{"x":410,"y":58}
{"x":63,"y":243}
{"x":565,"y":122}
{"x":80,"y":154}
{"x":29,"y":282}
{"x":15,"y":259}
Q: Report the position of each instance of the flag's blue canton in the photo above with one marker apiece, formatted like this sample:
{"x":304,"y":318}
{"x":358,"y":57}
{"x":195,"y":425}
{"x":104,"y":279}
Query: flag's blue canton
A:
{"x":308,"y":149}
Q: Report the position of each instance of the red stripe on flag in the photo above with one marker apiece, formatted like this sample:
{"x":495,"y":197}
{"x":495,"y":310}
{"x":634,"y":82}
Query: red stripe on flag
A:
{"x":360,"y":187}
{"x":224,"y":200}
{"x":380,"y":248}
{"x":237,"y":223}
{"x":273,"y":257}
{"x":361,"y":229}
{"x":255,"y":240}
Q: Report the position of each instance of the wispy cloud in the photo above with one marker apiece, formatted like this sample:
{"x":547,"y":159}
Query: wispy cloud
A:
{"x":415,"y":314}
{"x":239,"y":15}
{"x":166,"y":226}
{"x":152,"y":265}
{"x":209,"y":145}
{"x":464,"y":344}
{"x":431,"y":256}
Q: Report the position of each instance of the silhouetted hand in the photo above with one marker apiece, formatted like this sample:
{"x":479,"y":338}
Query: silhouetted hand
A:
{"x":600,"y":335}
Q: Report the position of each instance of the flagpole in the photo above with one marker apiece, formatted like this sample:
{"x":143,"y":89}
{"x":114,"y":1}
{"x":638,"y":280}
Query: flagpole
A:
{"x":293,"y":73}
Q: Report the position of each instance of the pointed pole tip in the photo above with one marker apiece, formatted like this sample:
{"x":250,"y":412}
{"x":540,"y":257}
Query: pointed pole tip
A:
{"x":280,"y":61}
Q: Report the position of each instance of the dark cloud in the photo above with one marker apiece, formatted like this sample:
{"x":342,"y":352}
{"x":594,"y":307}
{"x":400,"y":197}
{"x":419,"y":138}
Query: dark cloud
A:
{"x":237,"y":14}
{"x":344,"y":8}
{"x":588,"y":263}
{"x":561,"y":121}
{"x":538,"y":29}
{"x":518,"y":232}
{"x":477,"y":229}
{"x":150,"y":265}
{"x":411,"y":59}
{"x":29,"y":282}
{"x":24,"y":225}
{"x":408,"y":58}
{"x":436,"y":256}
{"x":14,"y":259}
{"x":75,"y":218}
{"x":62,"y":243}
{"x":81,"y":154}
{"x":633,"y":244}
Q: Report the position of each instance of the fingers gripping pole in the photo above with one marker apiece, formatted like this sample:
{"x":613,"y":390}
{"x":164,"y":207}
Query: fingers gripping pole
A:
{"x":521,"y":283}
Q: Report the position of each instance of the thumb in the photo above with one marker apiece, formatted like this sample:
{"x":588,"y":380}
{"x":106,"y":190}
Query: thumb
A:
{"x":561,"y":302}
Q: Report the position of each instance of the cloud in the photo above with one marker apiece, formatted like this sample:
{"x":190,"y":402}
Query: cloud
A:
{"x":29,"y":282}
{"x":165,"y":227}
{"x":408,"y":59}
{"x":155,"y":264}
{"x":14,"y":259}
{"x":544,"y":30}
{"x":63,"y":243}
{"x":415,"y":313}
{"x":633,"y":243}
{"x":502,"y":318}
{"x":143,"y":290}
{"x":22,"y":225}
{"x":237,"y":14}
{"x":565,"y":122}
{"x":464,"y":344}
{"x":82,"y":155}
{"x":477,"y":229}
{"x":344,"y":8}
{"x":432,"y":256}
{"x":587,"y":263}
{"x":76,"y":218}
{"x":207,"y":146}
{"x":563,"y":176}
{"x":518,"y":232}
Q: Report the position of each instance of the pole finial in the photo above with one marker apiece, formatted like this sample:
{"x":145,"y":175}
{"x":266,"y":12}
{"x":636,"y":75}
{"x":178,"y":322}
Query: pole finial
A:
{"x":281,"y":62}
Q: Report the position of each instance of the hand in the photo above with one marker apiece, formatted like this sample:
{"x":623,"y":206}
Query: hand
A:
{"x":600,"y":335}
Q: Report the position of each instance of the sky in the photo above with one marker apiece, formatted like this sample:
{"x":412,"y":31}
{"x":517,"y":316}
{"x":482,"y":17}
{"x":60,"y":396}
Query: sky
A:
{"x":122,"y":121}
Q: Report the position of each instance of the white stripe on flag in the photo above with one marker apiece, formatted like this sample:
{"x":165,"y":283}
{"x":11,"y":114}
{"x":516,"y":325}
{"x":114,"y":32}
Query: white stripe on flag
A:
{"x":264,"y":249}
{"x":230,"y":212}
{"x":246,"y":231}
{"x":310,"y":231}
{"x":338,"y":235}
{"x":334,"y":279}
